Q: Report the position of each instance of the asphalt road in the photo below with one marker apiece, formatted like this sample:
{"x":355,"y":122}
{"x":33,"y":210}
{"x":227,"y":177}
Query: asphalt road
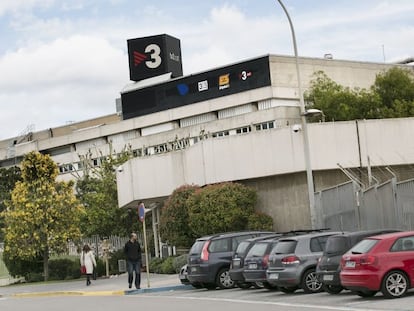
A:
{"x":165,"y":297}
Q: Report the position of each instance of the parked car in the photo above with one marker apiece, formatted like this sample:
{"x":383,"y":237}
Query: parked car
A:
{"x":210,"y":257}
{"x":183,"y":275}
{"x":380,"y":263}
{"x":293,"y":261}
{"x":256,"y":262}
{"x":328,"y":267}
{"x":237,"y":262}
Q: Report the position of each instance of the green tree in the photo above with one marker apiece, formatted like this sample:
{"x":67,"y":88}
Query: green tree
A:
{"x":43,"y":214}
{"x":174,"y":222}
{"x":8,"y":179}
{"x":391,"y":96}
{"x":221,"y":208}
{"x":97,"y":190}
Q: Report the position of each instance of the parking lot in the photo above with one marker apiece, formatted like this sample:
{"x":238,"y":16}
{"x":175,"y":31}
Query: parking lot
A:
{"x":296,"y":301}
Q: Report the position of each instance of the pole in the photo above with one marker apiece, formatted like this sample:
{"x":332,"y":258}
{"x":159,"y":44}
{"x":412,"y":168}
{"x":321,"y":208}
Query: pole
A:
{"x":146,"y":253}
{"x":306,"y":149}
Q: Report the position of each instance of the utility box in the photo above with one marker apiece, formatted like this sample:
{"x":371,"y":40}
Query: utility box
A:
{"x":122,"y":265}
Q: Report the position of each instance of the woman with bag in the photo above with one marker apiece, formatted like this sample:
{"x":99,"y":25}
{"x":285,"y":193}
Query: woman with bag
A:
{"x":88,"y":263}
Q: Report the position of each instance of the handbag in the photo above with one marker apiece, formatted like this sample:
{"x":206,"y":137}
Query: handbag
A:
{"x":83,"y":267}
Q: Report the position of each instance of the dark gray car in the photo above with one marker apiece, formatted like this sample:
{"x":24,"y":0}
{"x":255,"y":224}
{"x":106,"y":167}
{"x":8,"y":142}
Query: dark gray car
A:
{"x":210,"y":257}
{"x":328,"y":267}
{"x":292,"y":262}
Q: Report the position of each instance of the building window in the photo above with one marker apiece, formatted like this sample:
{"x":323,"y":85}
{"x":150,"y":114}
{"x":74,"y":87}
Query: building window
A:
{"x":221,"y":134}
{"x":265,"y":126}
{"x":242,"y":130}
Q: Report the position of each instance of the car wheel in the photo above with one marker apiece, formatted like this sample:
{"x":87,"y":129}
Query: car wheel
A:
{"x":310,"y":282}
{"x":223,"y":279}
{"x":269,"y":286}
{"x":244,"y":285}
{"x":288,"y":290}
{"x":366,"y":293}
{"x":394,"y":285}
{"x":333,"y":289}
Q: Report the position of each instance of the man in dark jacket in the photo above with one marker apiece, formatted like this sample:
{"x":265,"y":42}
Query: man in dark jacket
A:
{"x":133,"y":255}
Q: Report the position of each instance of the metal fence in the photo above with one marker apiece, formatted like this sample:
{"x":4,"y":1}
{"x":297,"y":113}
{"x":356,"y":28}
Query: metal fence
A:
{"x":348,"y":207}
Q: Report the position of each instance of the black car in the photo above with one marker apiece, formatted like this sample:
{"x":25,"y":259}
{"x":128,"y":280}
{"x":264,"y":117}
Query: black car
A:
{"x":256,"y":262}
{"x":328,"y":267}
{"x":210,"y":257}
{"x":237,"y":263}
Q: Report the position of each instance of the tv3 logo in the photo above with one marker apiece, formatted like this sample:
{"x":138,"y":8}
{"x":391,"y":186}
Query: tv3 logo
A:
{"x":154,"y":52}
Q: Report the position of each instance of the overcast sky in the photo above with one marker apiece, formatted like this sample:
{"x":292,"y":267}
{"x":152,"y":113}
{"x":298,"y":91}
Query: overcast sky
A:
{"x":66,"y":60}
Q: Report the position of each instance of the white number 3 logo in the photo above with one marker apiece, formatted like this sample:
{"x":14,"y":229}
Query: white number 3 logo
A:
{"x":155,"y":51}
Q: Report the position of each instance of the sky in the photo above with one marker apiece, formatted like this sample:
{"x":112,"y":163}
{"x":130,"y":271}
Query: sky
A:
{"x":64,"y":61}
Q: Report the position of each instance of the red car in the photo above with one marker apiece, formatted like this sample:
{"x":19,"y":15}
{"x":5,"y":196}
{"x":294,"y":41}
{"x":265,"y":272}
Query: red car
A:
{"x":380,"y":263}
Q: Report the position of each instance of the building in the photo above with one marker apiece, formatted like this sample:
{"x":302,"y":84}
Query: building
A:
{"x":240,"y":125}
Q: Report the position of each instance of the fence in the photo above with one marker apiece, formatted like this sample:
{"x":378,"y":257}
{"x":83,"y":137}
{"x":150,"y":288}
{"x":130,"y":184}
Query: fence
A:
{"x":347,"y":207}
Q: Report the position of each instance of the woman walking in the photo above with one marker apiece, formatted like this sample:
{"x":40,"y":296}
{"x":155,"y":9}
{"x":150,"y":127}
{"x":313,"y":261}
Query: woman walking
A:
{"x":87,"y":259}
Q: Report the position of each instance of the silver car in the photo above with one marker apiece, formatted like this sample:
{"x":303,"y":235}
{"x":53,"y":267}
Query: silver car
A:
{"x":292,"y":262}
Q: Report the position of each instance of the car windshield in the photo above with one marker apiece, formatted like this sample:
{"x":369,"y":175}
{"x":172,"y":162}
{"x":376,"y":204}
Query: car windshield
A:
{"x":285,"y":247}
{"x":242,"y":248}
{"x":336,"y":245}
{"x":258,"y":250}
{"x":363,"y":247}
{"x":197,"y":248}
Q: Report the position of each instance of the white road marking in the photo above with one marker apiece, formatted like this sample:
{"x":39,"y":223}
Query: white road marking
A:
{"x":281,"y":304}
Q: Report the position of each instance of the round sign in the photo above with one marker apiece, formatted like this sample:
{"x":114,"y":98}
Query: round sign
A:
{"x":141,"y":212}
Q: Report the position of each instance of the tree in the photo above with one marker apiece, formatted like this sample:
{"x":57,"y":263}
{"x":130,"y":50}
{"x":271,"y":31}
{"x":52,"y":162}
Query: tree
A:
{"x":391,"y":96}
{"x":42,"y":215}
{"x":221,"y":208}
{"x":97,"y":190}
{"x":174,"y":222}
{"x":8,"y":179}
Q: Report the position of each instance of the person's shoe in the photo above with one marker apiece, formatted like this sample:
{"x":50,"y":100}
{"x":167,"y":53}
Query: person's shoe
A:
{"x":88,"y":283}
{"x":138,"y":287}
{"x":130,"y":286}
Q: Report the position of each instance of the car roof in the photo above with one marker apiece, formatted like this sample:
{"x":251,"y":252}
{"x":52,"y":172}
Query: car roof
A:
{"x":366,"y":233}
{"x":309,"y":235}
{"x":394,"y":235}
{"x":231,"y":234}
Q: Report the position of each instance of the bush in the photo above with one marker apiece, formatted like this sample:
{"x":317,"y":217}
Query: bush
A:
{"x":155,"y":265}
{"x":34,"y":277}
{"x":100,"y":269}
{"x":64,"y":269}
{"x":167,"y":267}
{"x":260,"y":221}
{"x":179,"y":262}
{"x":113,"y":261}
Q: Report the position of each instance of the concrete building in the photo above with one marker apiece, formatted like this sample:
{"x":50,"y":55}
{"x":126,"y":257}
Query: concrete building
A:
{"x":247,"y":134}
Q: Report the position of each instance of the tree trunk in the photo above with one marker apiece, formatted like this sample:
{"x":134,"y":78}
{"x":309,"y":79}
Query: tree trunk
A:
{"x":46,"y":264}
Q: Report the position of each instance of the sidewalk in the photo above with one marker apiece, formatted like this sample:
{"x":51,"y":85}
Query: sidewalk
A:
{"x":116,"y":285}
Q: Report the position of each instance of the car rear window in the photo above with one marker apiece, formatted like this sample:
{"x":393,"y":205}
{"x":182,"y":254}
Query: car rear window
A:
{"x":285,"y":247}
{"x":337,"y":245}
{"x":197,"y":248}
{"x":242,"y":248}
{"x":257,"y":250}
{"x":363,"y":247}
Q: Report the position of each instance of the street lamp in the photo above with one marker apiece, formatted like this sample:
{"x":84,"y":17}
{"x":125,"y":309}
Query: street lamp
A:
{"x":306,"y":150}
{"x":313,"y":112}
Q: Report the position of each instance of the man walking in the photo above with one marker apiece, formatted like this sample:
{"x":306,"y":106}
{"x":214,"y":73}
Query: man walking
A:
{"x":133,"y":255}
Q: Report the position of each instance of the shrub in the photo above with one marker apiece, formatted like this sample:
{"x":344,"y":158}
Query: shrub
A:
{"x":63,"y":269}
{"x":155,"y":265}
{"x":179,"y":262}
{"x":260,"y":221}
{"x":167,"y":266}
{"x":113,"y":261}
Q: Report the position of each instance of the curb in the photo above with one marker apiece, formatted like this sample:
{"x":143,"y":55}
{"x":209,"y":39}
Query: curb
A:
{"x":102,"y":293}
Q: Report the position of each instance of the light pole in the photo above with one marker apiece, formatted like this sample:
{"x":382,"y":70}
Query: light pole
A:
{"x":306,"y":150}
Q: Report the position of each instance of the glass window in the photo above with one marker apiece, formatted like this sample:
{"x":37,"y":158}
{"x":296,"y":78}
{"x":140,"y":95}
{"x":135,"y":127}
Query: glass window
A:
{"x":403,"y":244}
{"x":242,"y":248}
{"x":363,"y":247}
{"x":285,"y":247}
{"x":258,"y":250}
{"x":314,"y":245}
{"x":197,"y":248}
{"x":220,"y":245}
{"x":337,"y":245}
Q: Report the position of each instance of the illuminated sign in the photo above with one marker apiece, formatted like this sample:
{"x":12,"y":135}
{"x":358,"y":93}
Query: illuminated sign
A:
{"x":224,"y":82}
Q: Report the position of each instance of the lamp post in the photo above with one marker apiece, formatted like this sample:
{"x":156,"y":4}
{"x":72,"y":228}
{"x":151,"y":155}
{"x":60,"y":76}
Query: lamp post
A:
{"x":306,"y":150}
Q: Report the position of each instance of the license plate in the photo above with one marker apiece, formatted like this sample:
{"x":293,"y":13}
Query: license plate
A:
{"x":328,"y":277}
{"x":273,"y":276}
{"x":252,"y":265}
{"x":350,"y":264}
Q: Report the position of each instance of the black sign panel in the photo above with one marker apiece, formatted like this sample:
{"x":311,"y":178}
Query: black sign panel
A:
{"x":196,"y":88}
{"x":153,"y":56}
